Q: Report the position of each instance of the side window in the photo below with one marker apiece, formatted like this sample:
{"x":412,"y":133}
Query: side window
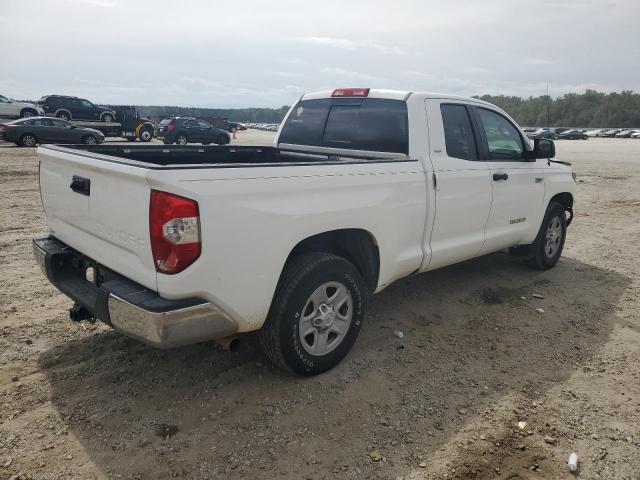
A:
{"x":85,"y":103}
{"x":458,"y":134}
{"x":503,"y":139}
{"x":59,"y":123}
{"x":203,"y":124}
{"x":190,"y":123}
{"x":4,"y":99}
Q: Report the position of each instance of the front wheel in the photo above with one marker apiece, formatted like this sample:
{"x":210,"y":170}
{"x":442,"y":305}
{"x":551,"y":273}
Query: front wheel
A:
{"x":89,"y":140}
{"x":146,"y":135}
{"x":316,"y":315}
{"x":107,"y":118}
{"x":64,"y":116}
{"x":27,"y":112}
{"x":548,"y":245}
{"x":182,"y":139}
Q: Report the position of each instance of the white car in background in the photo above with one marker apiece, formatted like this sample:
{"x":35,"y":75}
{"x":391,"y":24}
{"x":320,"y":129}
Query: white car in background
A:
{"x":636,"y":134}
{"x":11,"y":108}
{"x":593,"y":133}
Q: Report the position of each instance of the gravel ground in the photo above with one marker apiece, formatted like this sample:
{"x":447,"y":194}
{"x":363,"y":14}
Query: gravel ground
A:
{"x":480,"y":386}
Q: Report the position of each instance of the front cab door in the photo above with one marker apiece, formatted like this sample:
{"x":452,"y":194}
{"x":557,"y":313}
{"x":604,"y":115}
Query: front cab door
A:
{"x":518,"y":183}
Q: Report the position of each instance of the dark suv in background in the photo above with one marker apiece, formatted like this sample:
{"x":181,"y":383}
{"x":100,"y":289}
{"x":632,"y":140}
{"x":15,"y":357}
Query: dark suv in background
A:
{"x":183,"y":130}
{"x":68,"y":108}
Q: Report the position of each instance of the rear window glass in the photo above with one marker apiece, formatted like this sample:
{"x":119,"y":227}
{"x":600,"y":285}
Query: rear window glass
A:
{"x":373,"y":124}
{"x":458,"y":135}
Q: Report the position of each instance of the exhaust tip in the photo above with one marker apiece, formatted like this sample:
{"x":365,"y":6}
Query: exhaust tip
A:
{"x":229,"y":344}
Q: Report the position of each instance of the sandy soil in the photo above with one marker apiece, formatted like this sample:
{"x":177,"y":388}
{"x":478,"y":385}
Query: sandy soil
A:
{"x":78,"y":401}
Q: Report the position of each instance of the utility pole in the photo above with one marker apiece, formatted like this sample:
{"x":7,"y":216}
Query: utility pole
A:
{"x":548,"y":115}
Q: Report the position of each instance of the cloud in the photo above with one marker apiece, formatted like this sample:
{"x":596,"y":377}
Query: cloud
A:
{"x":347,"y":44}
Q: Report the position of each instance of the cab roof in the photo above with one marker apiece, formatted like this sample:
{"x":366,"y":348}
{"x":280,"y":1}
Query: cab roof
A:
{"x":387,"y":94}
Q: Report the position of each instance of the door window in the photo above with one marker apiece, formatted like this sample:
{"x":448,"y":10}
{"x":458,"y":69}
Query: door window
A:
{"x":190,"y":123}
{"x":85,"y":104}
{"x":503,"y":139}
{"x":60,"y":123}
{"x":203,"y":124}
{"x":458,"y":135}
{"x":41,"y":122}
{"x":4,"y":99}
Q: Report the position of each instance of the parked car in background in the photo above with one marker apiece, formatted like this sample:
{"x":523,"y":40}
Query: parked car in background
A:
{"x":636,"y":134}
{"x":29,"y":132}
{"x":593,"y":133}
{"x":11,"y":108}
{"x":68,"y":108}
{"x":610,"y":133}
{"x":625,"y":134}
{"x":183,"y":130}
{"x":543,"y":133}
{"x":572,"y":135}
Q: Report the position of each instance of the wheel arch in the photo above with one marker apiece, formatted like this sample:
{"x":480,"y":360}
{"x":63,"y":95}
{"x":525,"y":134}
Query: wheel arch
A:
{"x":566,"y":200}
{"x":358,"y":246}
{"x":24,"y":109}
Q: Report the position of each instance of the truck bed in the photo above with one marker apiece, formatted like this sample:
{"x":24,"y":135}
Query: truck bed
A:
{"x":198,"y":156}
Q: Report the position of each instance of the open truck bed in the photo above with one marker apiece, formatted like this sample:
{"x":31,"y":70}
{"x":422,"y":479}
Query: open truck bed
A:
{"x":171,"y":157}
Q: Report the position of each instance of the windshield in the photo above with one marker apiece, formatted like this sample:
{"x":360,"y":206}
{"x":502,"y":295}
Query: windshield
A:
{"x":165,"y":122}
{"x":372,"y":124}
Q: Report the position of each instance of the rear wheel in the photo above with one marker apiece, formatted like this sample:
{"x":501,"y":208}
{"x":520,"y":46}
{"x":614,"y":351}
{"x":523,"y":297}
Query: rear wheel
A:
{"x":27,"y":112}
{"x":89,"y":140}
{"x":316,"y":315}
{"x":63,"y":116}
{"x":548,"y":246}
{"x":182,"y":139}
{"x":107,"y":118}
{"x":28,"y":140}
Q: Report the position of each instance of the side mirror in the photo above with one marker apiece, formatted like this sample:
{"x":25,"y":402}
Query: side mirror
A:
{"x":543,"y":148}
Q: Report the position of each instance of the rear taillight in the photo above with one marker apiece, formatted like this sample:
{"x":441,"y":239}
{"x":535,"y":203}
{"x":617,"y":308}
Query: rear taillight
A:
{"x":170,"y":127}
{"x":174,"y":225}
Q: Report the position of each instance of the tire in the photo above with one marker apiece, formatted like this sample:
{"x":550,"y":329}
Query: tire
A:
{"x":64,"y":116}
{"x":221,"y":140}
{"x":89,"y":140}
{"x":28,"y":112}
{"x":182,"y":139}
{"x":107,"y":118}
{"x":548,"y":245}
{"x":28,"y":140}
{"x":146,"y":135}
{"x":326,"y":295}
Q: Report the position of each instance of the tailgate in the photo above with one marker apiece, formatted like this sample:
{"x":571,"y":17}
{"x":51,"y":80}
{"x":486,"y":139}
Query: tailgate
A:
{"x":99,"y":208}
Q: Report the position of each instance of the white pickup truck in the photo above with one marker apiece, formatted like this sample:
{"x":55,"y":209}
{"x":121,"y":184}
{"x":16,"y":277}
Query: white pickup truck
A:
{"x":178,"y":245}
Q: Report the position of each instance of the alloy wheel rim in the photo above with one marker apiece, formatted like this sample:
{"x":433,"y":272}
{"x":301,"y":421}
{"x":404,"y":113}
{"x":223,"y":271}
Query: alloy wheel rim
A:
{"x":553,"y":237}
{"x":29,"y":141}
{"x":325,"y":318}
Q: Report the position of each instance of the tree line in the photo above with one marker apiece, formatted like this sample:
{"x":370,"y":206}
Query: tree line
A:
{"x":588,"y":109}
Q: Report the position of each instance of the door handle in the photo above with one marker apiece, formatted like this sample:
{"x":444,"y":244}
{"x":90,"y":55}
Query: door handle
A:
{"x":500,"y":176}
{"x":81,"y":185}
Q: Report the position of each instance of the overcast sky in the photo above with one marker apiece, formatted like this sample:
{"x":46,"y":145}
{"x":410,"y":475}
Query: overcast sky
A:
{"x":266,"y":53}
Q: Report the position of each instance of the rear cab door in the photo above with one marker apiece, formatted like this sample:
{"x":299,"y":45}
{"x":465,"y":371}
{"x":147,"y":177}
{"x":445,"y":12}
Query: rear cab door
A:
{"x":518,"y":183}
{"x":462,"y":182}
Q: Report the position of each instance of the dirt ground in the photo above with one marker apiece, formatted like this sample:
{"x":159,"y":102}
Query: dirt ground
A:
{"x":78,"y":401}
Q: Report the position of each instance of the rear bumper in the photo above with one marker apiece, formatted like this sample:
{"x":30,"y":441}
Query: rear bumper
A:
{"x":128,"y":307}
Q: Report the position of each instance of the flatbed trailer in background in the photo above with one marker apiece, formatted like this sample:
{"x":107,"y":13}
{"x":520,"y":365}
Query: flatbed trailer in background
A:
{"x":129,"y":125}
